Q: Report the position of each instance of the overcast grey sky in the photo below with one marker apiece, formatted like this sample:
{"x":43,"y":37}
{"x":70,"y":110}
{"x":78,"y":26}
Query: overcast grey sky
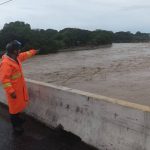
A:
{"x":114,"y":15}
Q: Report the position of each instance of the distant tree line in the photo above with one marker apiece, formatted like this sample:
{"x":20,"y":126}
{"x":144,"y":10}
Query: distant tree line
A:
{"x":51,"y":41}
{"x":128,"y":37}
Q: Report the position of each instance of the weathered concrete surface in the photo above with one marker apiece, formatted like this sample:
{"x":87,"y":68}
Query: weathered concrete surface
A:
{"x":104,"y":122}
{"x":37,"y":136}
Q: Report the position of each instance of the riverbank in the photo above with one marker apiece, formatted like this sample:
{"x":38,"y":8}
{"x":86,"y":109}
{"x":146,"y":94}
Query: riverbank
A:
{"x":84,"y":48}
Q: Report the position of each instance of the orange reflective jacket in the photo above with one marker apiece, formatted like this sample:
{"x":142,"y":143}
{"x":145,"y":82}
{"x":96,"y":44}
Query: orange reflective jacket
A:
{"x":12,"y":79}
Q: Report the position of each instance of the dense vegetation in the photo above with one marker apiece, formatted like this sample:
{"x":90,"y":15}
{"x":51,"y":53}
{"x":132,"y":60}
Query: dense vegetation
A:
{"x":50,"y":41}
{"x":128,"y":37}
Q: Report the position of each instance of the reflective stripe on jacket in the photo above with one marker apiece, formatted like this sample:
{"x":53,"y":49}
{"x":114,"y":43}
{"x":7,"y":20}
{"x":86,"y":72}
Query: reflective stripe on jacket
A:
{"x":12,"y":79}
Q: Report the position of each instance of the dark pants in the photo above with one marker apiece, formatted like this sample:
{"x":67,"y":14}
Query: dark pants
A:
{"x":16,"y":120}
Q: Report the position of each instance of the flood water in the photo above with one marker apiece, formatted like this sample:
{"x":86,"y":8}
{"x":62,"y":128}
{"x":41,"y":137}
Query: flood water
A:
{"x":121,"y":71}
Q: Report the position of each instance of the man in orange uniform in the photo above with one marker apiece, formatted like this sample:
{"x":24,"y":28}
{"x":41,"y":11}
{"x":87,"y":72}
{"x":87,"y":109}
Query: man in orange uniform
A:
{"x":13,"y":82}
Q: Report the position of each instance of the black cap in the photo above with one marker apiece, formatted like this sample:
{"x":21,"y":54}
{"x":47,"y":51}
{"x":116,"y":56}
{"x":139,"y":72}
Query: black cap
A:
{"x":14,"y":45}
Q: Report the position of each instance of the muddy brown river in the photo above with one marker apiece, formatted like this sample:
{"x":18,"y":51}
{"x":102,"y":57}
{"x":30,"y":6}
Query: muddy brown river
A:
{"x":121,"y":71}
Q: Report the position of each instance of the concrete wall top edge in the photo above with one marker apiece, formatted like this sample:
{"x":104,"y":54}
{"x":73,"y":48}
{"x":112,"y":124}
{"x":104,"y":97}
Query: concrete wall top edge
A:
{"x":95,"y":96}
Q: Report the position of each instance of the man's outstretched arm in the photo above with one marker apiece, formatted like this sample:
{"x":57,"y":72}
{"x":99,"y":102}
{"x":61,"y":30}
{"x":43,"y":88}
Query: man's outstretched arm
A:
{"x":28,"y":54}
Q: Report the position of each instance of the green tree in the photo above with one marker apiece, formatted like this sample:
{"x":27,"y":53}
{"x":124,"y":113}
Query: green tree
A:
{"x":101,"y":37}
{"x":123,"y":37}
{"x":15,"y":30}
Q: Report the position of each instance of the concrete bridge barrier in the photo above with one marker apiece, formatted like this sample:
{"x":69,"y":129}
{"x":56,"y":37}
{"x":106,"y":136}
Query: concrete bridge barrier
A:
{"x":107,"y":123}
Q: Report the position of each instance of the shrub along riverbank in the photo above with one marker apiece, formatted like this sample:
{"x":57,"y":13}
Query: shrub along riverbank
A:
{"x":52,"y":41}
